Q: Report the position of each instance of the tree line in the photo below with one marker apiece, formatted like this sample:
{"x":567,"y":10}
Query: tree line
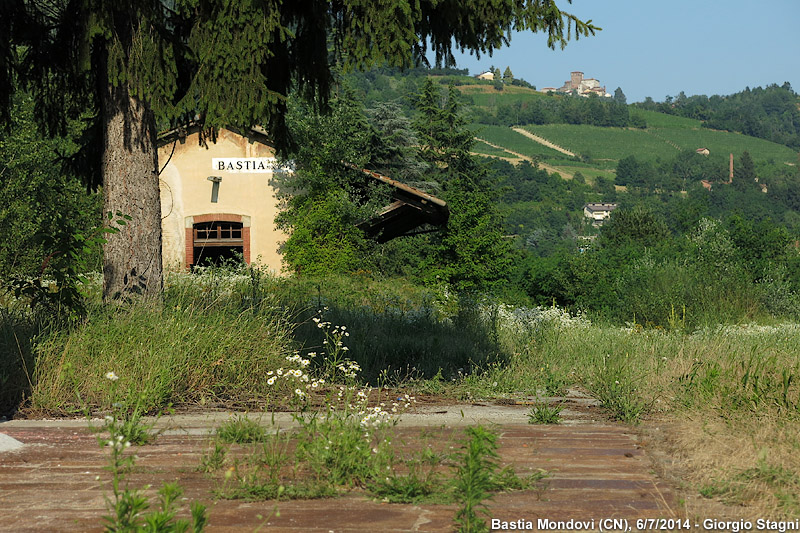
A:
{"x":563,"y":109}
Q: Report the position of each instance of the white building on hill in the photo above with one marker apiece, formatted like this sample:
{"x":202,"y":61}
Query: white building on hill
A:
{"x":598,"y":212}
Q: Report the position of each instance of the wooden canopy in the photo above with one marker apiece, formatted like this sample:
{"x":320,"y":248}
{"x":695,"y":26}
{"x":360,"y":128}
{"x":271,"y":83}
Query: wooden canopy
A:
{"x":411,"y":209}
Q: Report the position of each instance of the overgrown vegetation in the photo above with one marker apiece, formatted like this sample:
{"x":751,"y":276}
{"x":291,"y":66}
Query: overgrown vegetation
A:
{"x":682,"y":309}
{"x":129,"y":508}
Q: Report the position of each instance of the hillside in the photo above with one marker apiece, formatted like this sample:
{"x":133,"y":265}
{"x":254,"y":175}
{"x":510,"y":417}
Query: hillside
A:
{"x":599,"y":149}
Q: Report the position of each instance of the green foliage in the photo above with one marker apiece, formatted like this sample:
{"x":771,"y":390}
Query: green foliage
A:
{"x":241,"y":430}
{"x":63,"y":295}
{"x":472,"y":254}
{"x":637,"y":227}
{"x":205,"y":57}
{"x":422,"y":483}
{"x":338,"y":453}
{"x":129,"y":507}
{"x":744,"y":176}
{"x":386,"y":321}
{"x":616,"y":384}
{"x":594,"y":111}
{"x":324,"y":238}
{"x":619,"y":96}
{"x":543,"y":412}
{"x":226,"y":337}
{"x":325,"y":199}
{"x":213,"y":459}
{"x":474,"y":479}
{"x":41,"y":207}
{"x":128,"y":421}
{"x":394,"y":144}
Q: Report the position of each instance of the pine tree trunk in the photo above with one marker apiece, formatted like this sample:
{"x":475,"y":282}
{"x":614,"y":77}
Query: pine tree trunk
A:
{"x":132,"y":257}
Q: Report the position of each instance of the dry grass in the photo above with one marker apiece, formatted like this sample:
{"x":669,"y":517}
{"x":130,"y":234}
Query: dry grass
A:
{"x":727,"y":401}
{"x":731,"y":469}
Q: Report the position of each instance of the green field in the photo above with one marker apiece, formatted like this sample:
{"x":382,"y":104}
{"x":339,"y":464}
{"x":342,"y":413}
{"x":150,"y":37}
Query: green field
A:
{"x":724,"y":142}
{"x":482,"y":148}
{"x":654,"y":143}
{"x":589,"y":173}
{"x":488,"y":96}
{"x":605,"y":143}
{"x":662,"y":120}
{"x":510,"y":139}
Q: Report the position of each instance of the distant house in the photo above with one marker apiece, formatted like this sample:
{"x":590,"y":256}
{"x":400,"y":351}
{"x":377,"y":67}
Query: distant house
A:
{"x":488,"y":75}
{"x":598,"y":212}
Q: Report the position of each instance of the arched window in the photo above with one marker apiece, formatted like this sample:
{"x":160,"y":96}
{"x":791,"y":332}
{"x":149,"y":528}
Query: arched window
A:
{"x":213,"y":239}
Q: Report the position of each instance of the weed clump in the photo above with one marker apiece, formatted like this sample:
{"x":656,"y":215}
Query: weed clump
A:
{"x":241,"y":430}
{"x":129,"y":508}
{"x":543,"y":412}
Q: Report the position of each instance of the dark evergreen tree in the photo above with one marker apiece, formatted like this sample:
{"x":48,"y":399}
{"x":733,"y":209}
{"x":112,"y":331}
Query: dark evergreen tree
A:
{"x":744,"y":176}
{"x":472,"y":253}
{"x":619,"y":96}
{"x":394,"y":145}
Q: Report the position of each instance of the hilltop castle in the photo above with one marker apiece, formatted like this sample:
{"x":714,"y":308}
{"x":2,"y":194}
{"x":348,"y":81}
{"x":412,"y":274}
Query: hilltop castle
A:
{"x":583,"y":86}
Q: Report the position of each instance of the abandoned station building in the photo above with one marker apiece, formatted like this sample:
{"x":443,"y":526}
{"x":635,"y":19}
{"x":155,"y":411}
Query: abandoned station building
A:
{"x":218,"y":200}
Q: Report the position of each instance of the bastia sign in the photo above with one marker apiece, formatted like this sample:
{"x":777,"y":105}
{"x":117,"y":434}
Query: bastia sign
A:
{"x":249,"y":165}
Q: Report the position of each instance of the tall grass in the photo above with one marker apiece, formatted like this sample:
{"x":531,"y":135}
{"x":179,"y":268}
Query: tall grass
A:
{"x":217,"y":333}
{"x":18,"y":329}
{"x":395,"y":328}
{"x":726,"y":397}
{"x":212,"y":338}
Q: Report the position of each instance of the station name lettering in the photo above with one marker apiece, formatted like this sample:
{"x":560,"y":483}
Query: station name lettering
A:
{"x":254,"y":165}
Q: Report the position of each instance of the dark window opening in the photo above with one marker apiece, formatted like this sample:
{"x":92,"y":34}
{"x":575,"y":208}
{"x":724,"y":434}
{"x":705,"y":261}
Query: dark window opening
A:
{"x":218,"y":233}
{"x":217,"y":243}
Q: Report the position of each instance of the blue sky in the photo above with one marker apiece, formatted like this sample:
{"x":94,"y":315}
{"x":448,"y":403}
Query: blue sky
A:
{"x":655,"y":48}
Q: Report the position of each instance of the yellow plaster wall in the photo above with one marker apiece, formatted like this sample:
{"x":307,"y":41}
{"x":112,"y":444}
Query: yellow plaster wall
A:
{"x":186,"y":192}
